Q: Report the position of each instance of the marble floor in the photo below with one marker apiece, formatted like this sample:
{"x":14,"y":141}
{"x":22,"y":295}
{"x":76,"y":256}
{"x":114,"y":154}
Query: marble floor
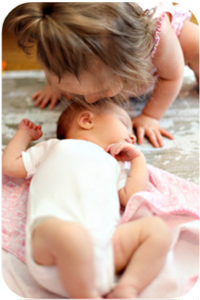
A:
{"x":179,"y":156}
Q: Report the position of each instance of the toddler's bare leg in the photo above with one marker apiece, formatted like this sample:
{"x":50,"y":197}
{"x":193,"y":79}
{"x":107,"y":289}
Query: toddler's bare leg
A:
{"x":189,"y":40}
{"x":140,"y":247}
{"x":68,"y":246}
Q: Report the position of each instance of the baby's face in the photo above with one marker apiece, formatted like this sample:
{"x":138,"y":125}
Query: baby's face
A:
{"x":114,"y":126}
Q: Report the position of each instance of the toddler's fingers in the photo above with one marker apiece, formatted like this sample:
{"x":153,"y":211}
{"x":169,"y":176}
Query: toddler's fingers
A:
{"x":41,"y":101}
{"x":44,"y":102}
{"x":54,"y":101}
{"x":152,"y":137}
{"x":140,"y":135}
{"x":38,"y":100}
{"x":159,"y":138}
{"x":166,"y":134}
{"x":35,"y":95}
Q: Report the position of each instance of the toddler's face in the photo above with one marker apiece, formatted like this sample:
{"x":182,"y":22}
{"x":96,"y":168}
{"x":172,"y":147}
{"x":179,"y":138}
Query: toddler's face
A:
{"x":96,"y":84}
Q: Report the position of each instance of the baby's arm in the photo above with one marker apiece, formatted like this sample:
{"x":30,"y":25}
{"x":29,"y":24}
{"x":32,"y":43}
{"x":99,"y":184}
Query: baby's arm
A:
{"x":12,"y":163}
{"x":169,"y":62}
{"x":138,"y":177}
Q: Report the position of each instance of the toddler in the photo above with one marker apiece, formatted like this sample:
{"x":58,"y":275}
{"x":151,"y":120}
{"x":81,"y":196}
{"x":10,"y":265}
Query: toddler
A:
{"x":119,"y":49}
{"x":74,"y":241}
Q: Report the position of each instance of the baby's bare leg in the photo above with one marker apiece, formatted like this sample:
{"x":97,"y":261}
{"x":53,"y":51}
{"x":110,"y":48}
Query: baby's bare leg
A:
{"x":140,"y":249}
{"x":189,"y":40}
{"x":68,"y":246}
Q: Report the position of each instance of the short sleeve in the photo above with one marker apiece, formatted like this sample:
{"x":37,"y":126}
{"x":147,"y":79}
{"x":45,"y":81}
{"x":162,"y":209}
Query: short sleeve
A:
{"x":34,"y":156}
{"x":157,"y":33}
{"x":125,"y":169}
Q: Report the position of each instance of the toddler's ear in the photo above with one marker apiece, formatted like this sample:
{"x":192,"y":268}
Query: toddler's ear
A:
{"x":86,"y":120}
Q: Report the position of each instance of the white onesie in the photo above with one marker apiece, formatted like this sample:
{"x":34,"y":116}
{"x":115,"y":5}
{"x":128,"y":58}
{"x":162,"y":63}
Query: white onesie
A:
{"x":74,"y":180}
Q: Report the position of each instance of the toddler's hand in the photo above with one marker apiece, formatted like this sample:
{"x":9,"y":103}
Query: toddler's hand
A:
{"x":149,"y":127}
{"x":123,"y":151}
{"x":33,"y":130}
{"x":46,"y":96}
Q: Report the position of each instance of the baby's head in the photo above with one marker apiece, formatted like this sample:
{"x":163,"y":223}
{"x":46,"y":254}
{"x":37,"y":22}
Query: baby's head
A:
{"x":102,"y":123}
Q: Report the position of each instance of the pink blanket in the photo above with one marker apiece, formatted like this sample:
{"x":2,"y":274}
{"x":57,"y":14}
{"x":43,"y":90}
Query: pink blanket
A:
{"x":172,"y":198}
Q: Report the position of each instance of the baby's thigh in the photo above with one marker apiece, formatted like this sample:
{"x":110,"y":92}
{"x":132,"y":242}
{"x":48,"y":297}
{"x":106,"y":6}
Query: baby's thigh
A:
{"x":51,"y":238}
{"x":129,"y":236}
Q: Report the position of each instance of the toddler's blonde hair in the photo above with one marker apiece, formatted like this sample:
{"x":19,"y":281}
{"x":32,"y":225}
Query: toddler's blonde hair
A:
{"x":69,"y":34}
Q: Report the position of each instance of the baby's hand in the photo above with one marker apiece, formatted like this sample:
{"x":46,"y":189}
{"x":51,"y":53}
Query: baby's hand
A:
{"x":149,"y":127}
{"x":33,"y":130}
{"x":123,"y":151}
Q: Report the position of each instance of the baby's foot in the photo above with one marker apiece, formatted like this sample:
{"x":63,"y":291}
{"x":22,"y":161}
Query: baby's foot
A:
{"x":123,"y":291}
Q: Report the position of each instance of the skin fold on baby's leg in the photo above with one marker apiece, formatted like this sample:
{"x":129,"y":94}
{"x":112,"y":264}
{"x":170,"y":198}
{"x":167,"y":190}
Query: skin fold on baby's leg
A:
{"x":69,"y":247}
{"x":136,"y":245}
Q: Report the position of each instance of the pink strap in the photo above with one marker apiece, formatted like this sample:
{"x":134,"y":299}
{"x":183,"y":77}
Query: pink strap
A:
{"x":157,"y":33}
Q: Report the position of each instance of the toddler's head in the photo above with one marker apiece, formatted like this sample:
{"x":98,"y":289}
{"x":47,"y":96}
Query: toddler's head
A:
{"x":103,"y":123}
{"x":78,"y":39}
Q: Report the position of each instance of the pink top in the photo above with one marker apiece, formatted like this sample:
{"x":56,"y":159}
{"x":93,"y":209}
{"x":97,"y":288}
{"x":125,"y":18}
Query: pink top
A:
{"x":178,"y":15}
{"x":157,"y":33}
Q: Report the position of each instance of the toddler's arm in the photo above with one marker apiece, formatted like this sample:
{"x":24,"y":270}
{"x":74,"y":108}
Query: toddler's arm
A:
{"x":12,"y":163}
{"x":169,"y":62}
{"x":138,"y":177}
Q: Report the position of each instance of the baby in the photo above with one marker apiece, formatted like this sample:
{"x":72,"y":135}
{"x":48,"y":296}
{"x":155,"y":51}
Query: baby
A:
{"x":74,"y":241}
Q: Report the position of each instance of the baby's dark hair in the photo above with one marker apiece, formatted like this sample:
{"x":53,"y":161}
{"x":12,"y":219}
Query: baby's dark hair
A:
{"x":69,"y":34}
{"x":66,"y":118}
{"x":74,"y":108}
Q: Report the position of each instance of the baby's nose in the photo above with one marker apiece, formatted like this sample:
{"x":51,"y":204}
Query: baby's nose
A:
{"x":132,"y":138}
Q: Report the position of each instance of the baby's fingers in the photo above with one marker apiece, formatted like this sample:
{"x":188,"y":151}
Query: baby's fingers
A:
{"x":113,"y":149}
{"x":107,"y":149}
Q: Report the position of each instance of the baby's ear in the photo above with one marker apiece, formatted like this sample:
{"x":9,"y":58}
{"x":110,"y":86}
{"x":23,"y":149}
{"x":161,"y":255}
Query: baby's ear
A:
{"x":86,"y":120}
